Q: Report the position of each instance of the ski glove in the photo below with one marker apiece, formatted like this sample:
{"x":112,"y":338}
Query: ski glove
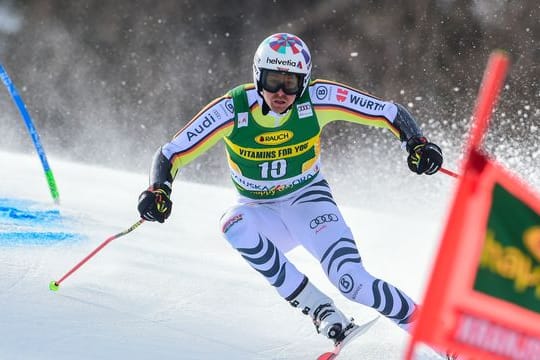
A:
{"x":155,"y":203}
{"x":424,"y":157}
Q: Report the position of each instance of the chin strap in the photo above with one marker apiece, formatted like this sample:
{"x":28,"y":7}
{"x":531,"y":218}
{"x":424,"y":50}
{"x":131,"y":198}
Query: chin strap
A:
{"x":265,"y":108}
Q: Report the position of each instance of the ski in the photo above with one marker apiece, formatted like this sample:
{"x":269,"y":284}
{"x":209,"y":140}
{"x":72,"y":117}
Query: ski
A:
{"x":357,"y":331}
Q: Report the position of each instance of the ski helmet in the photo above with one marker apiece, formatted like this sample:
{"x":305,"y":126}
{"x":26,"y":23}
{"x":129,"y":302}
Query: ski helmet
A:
{"x":283,"y":52}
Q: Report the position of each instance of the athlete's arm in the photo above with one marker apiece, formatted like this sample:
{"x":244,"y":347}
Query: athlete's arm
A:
{"x":206,"y":128}
{"x":334,"y":101}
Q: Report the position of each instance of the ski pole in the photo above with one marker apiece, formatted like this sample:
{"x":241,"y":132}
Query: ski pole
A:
{"x":54,"y":285}
{"x":449,"y":172}
{"x":33,"y":132}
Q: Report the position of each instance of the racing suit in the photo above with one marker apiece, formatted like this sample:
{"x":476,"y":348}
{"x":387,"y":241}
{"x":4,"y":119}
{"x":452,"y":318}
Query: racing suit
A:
{"x":284,"y":200}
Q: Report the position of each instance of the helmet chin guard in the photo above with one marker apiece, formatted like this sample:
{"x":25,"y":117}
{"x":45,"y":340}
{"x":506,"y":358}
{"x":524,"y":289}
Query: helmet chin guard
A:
{"x":283,"y":52}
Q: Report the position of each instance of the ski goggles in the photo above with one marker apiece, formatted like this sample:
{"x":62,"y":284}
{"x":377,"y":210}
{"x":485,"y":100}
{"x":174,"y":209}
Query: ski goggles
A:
{"x":272,"y":81}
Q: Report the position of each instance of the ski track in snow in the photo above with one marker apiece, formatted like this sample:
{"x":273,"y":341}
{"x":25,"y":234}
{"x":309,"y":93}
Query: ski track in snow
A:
{"x":172,"y":291}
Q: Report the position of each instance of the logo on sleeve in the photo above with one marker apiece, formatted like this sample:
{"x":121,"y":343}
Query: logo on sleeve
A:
{"x":321,"y":92}
{"x":341,"y":95}
{"x":206,"y":124}
{"x":304,"y":110}
{"x":229,"y":106}
{"x":366,"y":103}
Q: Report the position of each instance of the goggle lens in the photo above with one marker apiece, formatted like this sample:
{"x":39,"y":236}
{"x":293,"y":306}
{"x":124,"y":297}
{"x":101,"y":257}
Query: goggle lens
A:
{"x":272,"y":81}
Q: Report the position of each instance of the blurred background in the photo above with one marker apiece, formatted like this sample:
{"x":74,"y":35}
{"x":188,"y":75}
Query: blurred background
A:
{"x":108,"y":82}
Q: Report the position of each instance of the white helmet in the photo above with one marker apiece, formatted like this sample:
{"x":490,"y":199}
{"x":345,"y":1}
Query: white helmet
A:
{"x":283,"y":52}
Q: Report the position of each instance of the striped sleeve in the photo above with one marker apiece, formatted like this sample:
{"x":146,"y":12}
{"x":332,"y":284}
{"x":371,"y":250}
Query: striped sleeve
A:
{"x":334,"y":101}
{"x":211,"y":124}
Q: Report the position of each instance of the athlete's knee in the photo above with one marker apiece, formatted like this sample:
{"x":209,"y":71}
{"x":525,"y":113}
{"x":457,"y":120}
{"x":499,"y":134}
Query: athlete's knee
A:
{"x":339,"y":255}
{"x":237,"y":225}
{"x":230,"y":218}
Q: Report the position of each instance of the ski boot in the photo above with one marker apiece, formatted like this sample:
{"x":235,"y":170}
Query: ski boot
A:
{"x":327,"y":318}
{"x":331,"y":322}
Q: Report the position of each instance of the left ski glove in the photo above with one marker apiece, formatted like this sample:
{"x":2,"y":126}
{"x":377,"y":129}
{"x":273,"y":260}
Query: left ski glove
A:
{"x":424,"y":157}
{"x":155,"y":203}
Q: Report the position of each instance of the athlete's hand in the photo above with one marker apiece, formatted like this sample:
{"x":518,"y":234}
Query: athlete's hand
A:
{"x":155,"y":203}
{"x":424,"y":157}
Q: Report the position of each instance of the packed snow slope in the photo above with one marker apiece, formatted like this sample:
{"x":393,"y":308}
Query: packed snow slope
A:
{"x":177,"y":290}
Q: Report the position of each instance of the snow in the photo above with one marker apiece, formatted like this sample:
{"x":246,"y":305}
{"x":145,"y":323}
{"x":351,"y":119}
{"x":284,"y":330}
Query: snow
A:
{"x":175,"y":290}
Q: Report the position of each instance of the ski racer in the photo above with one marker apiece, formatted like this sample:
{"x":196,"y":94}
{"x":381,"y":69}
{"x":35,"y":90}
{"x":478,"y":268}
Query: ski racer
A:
{"x":271,"y":129}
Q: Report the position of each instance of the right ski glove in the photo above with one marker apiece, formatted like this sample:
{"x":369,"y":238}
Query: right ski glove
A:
{"x":424,"y":157}
{"x":155,"y":203}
